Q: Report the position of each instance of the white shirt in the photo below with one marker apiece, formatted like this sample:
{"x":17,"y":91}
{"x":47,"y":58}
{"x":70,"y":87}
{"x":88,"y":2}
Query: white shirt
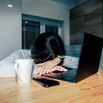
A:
{"x":7,"y":64}
{"x":71,"y":62}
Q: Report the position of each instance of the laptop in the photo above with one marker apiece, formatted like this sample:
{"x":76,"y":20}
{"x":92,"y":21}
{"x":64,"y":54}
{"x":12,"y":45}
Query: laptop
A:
{"x":88,"y":62}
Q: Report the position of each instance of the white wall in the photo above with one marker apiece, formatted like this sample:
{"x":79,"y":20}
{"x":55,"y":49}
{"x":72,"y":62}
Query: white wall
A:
{"x":48,"y":9}
{"x":10,"y":27}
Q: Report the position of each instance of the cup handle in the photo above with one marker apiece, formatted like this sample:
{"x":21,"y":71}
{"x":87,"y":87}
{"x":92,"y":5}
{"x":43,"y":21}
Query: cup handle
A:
{"x":16,"y":67}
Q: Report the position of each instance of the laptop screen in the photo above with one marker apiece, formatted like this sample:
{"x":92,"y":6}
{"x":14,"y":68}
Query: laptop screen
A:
{"x":90,"y":56}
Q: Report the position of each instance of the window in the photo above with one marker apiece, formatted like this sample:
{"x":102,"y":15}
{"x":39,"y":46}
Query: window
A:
{"x":30,"y":29}
{"x":50,"y":28}
{"x":32,"y":26}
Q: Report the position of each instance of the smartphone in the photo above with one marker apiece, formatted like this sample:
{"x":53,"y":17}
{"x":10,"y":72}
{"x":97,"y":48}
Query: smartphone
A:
{"x":47,"y":82}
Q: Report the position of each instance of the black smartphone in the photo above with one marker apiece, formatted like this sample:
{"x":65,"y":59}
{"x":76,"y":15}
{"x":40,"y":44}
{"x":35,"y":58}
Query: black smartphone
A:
{"x":46,"y":82}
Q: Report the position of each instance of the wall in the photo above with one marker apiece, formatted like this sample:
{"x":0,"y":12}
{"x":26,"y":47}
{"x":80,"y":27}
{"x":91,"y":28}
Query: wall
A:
{"x":101,"y":61}
{"x":10,"y":27}
{"x":48,"y":9}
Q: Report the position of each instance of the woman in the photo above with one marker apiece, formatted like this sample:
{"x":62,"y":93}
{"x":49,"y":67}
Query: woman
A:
{"x":48,"y":53}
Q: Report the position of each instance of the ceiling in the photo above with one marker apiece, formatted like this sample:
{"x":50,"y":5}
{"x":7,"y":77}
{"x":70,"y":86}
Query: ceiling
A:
{"x":70,"y":2}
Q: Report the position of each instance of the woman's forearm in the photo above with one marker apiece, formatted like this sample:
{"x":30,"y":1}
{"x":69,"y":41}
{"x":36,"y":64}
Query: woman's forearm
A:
{"x":71,"y":62}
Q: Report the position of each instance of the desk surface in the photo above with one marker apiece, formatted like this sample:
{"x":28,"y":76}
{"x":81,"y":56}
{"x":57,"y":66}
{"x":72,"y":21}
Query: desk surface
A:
{"x":89,"y":90}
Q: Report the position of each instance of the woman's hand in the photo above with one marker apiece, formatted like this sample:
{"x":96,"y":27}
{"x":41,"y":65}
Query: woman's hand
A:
{"x":59,"y":70}
{"x":51,"y":73}
{"x":47,"y":66}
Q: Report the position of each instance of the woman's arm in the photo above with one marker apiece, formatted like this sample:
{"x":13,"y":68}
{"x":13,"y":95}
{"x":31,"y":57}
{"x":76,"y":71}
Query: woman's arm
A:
{"x":59,"y":70}
{"x":71,"y":62}
{"x":49,"y":66}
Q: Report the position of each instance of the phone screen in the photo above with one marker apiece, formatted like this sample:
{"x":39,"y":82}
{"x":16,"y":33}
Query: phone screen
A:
{"x":46,"y":82}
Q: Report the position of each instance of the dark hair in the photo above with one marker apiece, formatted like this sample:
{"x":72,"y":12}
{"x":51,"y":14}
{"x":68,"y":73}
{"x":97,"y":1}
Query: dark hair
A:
{"x":46,"y":47}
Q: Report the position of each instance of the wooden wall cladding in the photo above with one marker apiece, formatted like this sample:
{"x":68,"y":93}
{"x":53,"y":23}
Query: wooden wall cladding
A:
{"x":86,"y":17}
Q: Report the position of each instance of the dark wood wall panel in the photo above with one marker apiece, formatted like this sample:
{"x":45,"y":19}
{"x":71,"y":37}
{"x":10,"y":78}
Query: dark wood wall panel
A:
{"x":86,"y":17}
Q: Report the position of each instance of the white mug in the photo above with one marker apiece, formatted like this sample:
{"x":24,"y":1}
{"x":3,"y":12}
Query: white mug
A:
{"x":23,"y":68}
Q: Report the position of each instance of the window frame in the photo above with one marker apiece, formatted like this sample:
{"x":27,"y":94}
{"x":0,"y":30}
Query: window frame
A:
{"x":43,"y":22}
